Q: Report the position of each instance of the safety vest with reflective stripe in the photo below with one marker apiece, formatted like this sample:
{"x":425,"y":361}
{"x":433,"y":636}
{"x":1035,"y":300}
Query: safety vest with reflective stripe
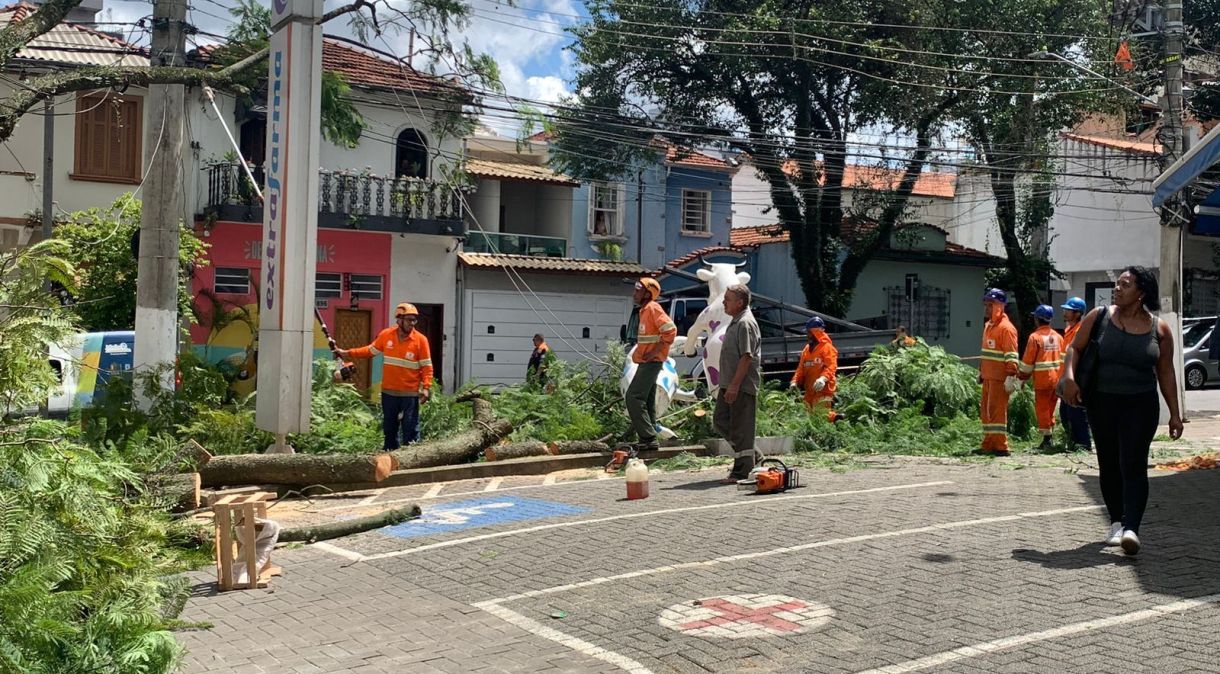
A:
{"x":999,"y":353}
{"x":406,"y":363}
{"x":1043,"y":357}
{"x":1069,"y":334}
{"x":656,"y":333}
{"x":818,"y":359}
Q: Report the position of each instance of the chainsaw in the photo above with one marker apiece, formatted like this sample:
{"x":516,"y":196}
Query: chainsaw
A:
{"x":770,"y":476}
{"x":346,"y":369}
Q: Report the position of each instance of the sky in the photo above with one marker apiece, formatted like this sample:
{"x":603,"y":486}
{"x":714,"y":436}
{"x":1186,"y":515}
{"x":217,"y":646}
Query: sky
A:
{"x":526,"y":40}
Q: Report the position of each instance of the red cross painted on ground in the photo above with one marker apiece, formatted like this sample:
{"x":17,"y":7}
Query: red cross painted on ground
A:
{"x":731,"y":612}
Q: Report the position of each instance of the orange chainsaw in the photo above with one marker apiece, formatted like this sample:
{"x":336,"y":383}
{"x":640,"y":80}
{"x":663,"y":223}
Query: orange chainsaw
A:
{"x":770,"y":476}
{"x":346,"y":369}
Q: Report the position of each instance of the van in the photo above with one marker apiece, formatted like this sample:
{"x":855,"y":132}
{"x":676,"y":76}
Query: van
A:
{"x":85,"y":364}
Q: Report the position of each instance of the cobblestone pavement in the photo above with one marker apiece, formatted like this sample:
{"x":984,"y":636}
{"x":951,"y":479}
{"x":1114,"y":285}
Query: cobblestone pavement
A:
{"x":903,"y":565}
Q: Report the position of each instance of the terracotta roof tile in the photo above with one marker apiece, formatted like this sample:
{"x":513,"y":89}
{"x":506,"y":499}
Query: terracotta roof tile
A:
{"x":855,"y":176}
{"x":694,"y":254}
{"x":562,"y":265}
{"x":1129,"y":146}
{"x":761,"y":235}
{"x":503,"y":170}
{"x":73,"y":44}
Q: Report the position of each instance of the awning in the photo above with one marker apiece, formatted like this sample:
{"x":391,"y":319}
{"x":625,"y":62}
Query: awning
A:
{"x":1207,"y":215}
{"x":1185,"y":170}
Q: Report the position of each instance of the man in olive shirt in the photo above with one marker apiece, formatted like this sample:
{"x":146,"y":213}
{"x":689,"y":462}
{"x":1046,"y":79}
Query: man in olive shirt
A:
{"x":740,"y":375}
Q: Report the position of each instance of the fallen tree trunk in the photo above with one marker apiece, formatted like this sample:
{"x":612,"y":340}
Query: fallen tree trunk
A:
{"x":485,"y":431}
{"x":516,"y":450}
{"x":296,"y":469}
{"x":324,"y":532}
{"x":179,"y":492}
{"x":577,"y":447}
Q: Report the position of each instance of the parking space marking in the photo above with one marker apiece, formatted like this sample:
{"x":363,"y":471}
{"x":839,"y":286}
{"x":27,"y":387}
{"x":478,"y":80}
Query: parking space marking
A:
{"x":433,"y":491}
{"x":371,"y":497}
{"x":496,"y":606}
{"x":494,"y":484}
{"x":1019,"y":640}
{"x":336,"y":550}
{"x":752,"y":501}
{"x":549,"y":479}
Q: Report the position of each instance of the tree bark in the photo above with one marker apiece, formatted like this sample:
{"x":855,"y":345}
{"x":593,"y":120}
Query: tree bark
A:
{"x":324,"y":532}
{"x":577,"y":447}
{"x":180,"y":492}
{"x":485,"y":431}
{"x":516,"y":450}
{"x":296,"y":469}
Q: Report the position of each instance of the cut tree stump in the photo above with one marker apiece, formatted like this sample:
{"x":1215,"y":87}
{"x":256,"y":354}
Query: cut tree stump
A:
{"x":516,"y":450}
{"x":322,"y":532}
{"x":296,"y":469}
{"x":181,"y":492}
{"x":577,"y":447}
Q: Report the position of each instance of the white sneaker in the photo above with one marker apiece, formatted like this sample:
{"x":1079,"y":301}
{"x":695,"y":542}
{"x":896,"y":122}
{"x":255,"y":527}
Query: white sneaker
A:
{"x":1130,"y":542}
{"x":1116,"y":534}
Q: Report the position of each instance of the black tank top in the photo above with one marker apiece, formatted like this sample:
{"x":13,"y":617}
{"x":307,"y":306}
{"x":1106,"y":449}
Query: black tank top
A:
{"x":1127,"y":362}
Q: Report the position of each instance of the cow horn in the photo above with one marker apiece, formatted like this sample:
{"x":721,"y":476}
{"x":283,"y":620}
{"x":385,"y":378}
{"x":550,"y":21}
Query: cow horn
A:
{"x":741,"y":264}
{"x":703,"y":261}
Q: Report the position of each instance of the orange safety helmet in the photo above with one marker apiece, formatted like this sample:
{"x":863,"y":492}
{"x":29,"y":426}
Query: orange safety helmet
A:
{"x":405,"y":309}
{"x":651,"y":285}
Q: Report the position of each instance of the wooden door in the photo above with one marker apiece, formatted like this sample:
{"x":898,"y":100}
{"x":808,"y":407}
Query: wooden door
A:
{"x":354,"y":328}
{"x":432,"y":324}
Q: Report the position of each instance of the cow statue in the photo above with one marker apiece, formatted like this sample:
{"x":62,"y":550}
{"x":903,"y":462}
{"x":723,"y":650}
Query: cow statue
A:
{"x":667,"y":387}
{"x":713,"y":320}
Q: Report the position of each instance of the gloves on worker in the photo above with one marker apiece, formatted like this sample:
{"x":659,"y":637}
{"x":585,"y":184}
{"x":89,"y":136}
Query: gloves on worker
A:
{"x":791,"y":384}
{"x":819,"y":384}
{"x":1011,"y":384}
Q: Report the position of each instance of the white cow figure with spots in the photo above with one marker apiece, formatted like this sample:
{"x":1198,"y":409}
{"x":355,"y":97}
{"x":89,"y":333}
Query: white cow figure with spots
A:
{"x":667,"y":387}
{"x":713,"y":320}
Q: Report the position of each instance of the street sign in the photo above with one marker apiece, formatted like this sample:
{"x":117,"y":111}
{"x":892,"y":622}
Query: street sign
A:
{"x":481,"y":512}
{"x":741,"y":616}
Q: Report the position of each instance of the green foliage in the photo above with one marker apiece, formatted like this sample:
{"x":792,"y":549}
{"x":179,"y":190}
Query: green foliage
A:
{"x":99,"y":247}
{"x":922,"y":376}
{"x":30,"y":319}
{"x":443,"y":416}
{"x":1022,"y":418}
{"x":340,"y":421}
{"x":85,"y":570}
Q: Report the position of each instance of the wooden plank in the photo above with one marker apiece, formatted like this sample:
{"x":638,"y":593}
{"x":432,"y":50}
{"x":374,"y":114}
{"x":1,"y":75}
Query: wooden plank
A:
{"x":248,"y":545}
{"x":224,"y":547}
{"x":211,"y":498}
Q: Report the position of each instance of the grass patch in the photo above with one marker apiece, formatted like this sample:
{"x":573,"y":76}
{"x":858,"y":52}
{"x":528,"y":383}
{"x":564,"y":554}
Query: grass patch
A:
{"x":688,"y":461}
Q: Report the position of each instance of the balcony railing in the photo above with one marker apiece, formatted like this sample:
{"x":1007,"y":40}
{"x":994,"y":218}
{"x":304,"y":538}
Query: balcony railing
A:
{"x":516,"y":244}
{"x":347,"y":199}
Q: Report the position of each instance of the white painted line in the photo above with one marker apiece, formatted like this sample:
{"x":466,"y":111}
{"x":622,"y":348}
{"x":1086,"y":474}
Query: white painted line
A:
{"x":603,"y":475}
{"x":370,"y":498}
{"x":432,"y":492}
{"x":715,"y":506}
{"x":430,"y":495}
{"x":494,"y":484}
{"x":960,"y":524}
{"x":549,"y":479}
{"x":1019,"y":640}
{"x":496,"y":608}
{"x":575,"y":643}
{"x":342,"y":552}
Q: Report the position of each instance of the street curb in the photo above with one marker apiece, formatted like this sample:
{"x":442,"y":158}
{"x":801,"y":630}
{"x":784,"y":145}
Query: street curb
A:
{"x":530,"y":465}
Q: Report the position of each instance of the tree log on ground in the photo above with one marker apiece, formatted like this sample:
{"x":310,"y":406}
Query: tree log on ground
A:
{"x":324,"y":532}
{"x":296,"y":469}
{"x":179,"y":492}
{"x":485,"y":431}
{"x":516,"y":450}
{"x":577,"y":447}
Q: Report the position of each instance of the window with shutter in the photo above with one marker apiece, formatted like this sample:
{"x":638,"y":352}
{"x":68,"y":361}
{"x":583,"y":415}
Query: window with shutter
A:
{"x":108,"y":138}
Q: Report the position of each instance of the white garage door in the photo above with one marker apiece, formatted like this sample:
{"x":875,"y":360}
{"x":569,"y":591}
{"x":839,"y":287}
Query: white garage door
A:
{"x":499,"y":325}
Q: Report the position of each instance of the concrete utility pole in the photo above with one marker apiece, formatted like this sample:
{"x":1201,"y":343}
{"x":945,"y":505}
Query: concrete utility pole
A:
{"x":157,"y":282}
{"x":48,"y":167}
{"x":1172,"y":147}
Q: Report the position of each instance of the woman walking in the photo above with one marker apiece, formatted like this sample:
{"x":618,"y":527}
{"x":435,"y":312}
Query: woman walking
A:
{"x":1134,"y":355}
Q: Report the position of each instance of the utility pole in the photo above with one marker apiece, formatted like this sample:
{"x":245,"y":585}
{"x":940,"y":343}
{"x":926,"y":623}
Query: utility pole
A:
{"x":48,"y":167}
{"x":160,"y":219}
{"x":1172,"y":147}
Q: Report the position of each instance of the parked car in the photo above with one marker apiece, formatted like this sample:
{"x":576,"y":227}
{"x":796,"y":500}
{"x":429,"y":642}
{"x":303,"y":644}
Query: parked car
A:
{"x":1198,"y":365}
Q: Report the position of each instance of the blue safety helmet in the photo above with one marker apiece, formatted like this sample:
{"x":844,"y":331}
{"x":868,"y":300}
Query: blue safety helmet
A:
{"x":1045,"y":312}
{"x":815,"y":323}
{"x":1074,"y":304}
{"x":996,"y":295}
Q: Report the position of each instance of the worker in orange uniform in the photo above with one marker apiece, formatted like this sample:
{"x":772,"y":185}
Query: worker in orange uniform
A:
{"x":816,"y":371}
{"x":656,"y":334}
{"x":406,"y":374}
{"x":997,"y":372}
{"x":1074,"y":419}
{"x":1043,"y":357}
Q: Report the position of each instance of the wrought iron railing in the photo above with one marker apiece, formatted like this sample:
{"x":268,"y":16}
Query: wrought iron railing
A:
{"x":344,"y":193}
{"x":516,"y":244}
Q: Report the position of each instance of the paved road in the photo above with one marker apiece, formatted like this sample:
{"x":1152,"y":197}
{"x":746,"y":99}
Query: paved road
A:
{"x":1204,"y":400}
{"x":905,"y":566}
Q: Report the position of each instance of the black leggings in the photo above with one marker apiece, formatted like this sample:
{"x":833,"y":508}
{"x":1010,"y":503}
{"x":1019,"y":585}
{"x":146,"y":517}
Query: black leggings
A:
{"x":1123,"y":426}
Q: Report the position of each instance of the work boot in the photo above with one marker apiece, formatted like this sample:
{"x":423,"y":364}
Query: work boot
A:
{"x":646,"y":445}
{"x":1046,"y":445}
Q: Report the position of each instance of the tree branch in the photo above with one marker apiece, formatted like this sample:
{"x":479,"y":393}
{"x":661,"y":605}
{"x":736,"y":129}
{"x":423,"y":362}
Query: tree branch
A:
{"x":18,"y":34}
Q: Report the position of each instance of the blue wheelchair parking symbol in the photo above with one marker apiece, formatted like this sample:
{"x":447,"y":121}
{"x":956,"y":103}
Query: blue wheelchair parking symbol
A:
{"x":481,"y":512}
